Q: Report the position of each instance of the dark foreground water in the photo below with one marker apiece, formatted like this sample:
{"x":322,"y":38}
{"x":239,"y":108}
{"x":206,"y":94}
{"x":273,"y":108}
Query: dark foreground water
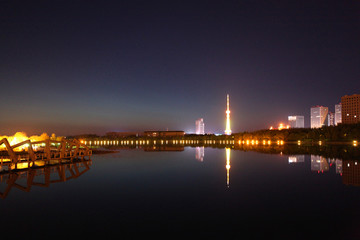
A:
{"x":248,"y":195}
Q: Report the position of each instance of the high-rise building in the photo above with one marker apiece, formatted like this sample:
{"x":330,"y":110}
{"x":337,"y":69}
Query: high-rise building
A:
{"x":228,"y":129}
{"x":318,"y":116}
{"x":331,"y":119}
{"x":350,"y":112}
{"x":200,"y":126}
{"x":337,"y":114}
{"x":296,"y":121}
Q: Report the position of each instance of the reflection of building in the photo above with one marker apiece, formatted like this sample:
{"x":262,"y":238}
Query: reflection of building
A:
{"x":351,"y":172}
{"x":162,"y":148}
{"x":350,"y":111}
{"x":227,"y":167}
{"x":296,"y":158}
{"x":164,"y":133}
{"x":337,"y":119}
{"x":318,"y":116}
{"x":200,"y":153}
{"x":200,"y":126}
{"x":338,"y":164}
{"x":296,"y":121}
{"x":319,"y":164}
{"x":331,"y":119}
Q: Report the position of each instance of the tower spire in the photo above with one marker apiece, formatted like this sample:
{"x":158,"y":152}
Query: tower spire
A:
{"x":228,"y":129}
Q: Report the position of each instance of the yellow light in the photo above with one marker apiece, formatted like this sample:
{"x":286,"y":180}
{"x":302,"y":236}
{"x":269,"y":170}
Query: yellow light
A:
{"x":228,"y":129}
{"x":355,"y":143}
{"x":247,"y":142}
{"x":269,"y":142}
{"x":227,"y":166}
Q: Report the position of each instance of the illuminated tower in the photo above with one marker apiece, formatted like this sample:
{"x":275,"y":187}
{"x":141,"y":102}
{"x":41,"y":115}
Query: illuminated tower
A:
{"x":227,"y":167}
{"x":228,"y":129}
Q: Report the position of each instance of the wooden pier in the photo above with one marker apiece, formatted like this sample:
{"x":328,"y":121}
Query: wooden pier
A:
{"x":47,"y":150}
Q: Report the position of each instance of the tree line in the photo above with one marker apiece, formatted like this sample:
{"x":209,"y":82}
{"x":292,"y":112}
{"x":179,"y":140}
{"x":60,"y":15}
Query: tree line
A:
{"x":339,"y":133}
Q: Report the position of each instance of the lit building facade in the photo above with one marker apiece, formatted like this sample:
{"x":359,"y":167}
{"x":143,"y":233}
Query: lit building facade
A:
{"x":350,"y":112}
{"x":337,"y":114}
{"x":200,"y":126}
{"x":164,"y":133}
{"x":318,"y":115}
{"x":296,"y":121}
{"x":331,"y":119}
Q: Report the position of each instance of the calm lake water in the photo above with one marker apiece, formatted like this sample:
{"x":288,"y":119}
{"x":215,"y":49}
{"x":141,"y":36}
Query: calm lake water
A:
{"x":207,"y":191}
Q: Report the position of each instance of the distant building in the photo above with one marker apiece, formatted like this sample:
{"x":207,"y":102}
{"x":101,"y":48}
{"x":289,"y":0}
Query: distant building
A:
{"x":200,"y":126}
{"x":331,"y":119}
{"x":164,"y":133}
{"x":296,"y":121}
{"x":337,"y":114}
{"x":350,"y":112}
{"x":318,"y":115}
{"x":122,"y":134}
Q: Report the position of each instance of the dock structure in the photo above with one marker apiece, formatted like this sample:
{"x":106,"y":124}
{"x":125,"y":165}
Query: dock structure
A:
{"x":47,"y":150}
{"x":42,"y":175}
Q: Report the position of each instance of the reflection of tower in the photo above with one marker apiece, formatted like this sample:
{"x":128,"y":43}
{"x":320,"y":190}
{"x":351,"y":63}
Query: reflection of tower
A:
{"x":199,"y":153}
{"x":228,"y":129}
{"x":227,"y":167}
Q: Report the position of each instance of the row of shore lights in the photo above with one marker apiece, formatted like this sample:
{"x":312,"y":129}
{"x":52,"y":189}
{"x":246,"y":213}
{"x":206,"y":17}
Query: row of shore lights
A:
{"x":257,"y":142}
{"x":147,"y":142}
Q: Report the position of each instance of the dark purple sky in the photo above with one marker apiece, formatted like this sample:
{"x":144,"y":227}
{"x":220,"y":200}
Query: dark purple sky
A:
{"x":72,"y":67}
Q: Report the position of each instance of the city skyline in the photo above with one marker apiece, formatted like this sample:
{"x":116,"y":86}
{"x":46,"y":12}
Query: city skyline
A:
{"x":73,"y":68}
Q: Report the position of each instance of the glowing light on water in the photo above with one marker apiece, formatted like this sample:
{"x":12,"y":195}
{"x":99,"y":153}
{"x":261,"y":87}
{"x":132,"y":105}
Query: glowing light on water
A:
{"x":227,"y":166}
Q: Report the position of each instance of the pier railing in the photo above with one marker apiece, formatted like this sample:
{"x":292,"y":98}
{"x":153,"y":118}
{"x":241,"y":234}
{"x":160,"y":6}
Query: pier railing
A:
{"x":46,"y":150}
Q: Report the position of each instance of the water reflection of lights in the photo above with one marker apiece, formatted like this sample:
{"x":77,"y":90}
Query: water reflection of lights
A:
{"x":40,"y":174}
{"x":296,"y":158}
{"x":227,"y":150}
{"x":200,"y":153}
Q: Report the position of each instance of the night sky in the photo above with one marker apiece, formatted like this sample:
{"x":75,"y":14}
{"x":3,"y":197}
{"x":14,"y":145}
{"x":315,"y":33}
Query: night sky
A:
{"x":73,"y":67}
